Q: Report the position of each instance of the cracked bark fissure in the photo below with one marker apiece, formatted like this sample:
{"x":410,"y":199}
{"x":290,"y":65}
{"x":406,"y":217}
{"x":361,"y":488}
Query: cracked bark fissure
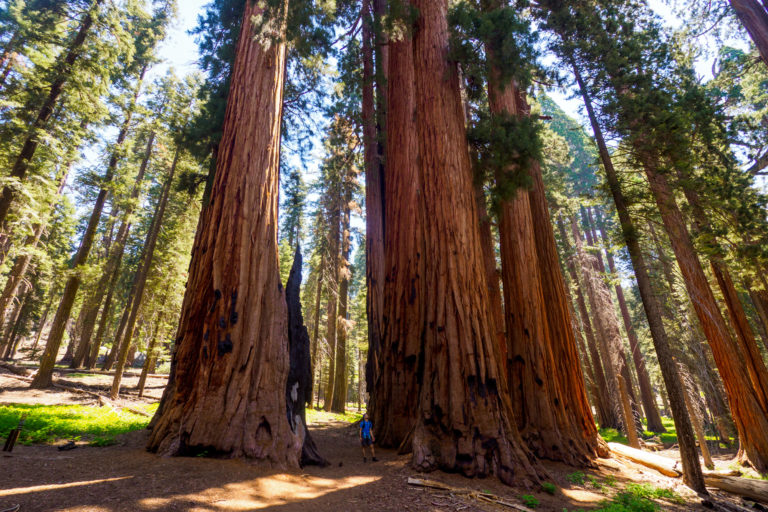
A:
{"x":230,"y":363}
{"x":464,"y":419}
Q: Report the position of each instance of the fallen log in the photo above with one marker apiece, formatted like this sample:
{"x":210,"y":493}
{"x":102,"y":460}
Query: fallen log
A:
{"x":749,"y":487}
{"x":16,"y":370}
{"x":663,"y":465}
{"x":470,"y":493}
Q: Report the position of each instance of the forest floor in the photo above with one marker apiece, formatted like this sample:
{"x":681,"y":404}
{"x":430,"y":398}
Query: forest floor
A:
{"x":122,"y":476}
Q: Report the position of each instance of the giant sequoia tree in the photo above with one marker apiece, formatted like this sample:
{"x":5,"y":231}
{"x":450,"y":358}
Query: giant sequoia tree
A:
{"x":464,"y":420}
{"x":230,"y":365}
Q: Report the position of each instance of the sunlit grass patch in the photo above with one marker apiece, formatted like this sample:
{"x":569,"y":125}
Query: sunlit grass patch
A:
{"x":50,"y":423}
{"x":315,"y":416}
{"x":640,"y":498}
{"x":611,"y":435}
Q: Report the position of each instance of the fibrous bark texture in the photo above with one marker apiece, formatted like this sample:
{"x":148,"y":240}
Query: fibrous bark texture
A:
{"x":231,"y":361}
{"x":464,"y":421}
{"x":374,"y":199}
{"x":395,"y":392}
{"x":748,"y":404}
{"x":551,"y":405}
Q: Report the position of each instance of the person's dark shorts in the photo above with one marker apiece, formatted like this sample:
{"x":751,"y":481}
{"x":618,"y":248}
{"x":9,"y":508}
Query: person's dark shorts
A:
{"x":366,"y":441}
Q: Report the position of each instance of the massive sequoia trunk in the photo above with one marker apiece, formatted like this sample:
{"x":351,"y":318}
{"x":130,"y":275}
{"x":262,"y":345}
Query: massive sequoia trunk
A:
{"x":374,"y":199}
{"x":230,"y":364}
{"x":465,"y":421}
{"x":577,"y":423}
{"x":552,"y":425}
{"x":749,"y":406}
{"x":395,"y":393}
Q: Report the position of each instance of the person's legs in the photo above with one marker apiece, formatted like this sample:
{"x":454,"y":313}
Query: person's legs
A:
{"x":373,"y":454}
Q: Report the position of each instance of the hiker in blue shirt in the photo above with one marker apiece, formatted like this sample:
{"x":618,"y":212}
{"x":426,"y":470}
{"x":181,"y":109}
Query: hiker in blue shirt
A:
{"x":365,"y":430}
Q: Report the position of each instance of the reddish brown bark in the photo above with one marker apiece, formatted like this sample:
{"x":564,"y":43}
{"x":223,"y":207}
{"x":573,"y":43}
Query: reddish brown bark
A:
{"x":394,"y":397}
{"x":607,"y":416}
{"x":374,"y":193}
{"x":551,"y":405}
{"x":581,"y":432}
{"x":644,"y":381}
{"x":754,"y":17}
{"x":339,"y":403}
{"x":464,"y":421}
{"x":230,"y":366}
{"x":748,"y":405}
{"x":332,"y":320}
{"x":608,"y":333}
{"x":492,"y":273}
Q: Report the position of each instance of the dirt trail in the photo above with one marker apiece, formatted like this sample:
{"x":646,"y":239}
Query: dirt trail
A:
{"x":124,"y":477}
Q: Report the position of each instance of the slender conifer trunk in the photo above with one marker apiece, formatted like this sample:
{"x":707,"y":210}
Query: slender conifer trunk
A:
{"x":691,"y":468}
{"x":44,"y":376}
{"x":61,"y":77}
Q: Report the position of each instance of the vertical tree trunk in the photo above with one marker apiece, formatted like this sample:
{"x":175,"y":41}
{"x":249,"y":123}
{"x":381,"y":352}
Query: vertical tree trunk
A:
{"x":62,"y":74}
{"x":754,"y":17}
{"x":332,"y":320}
{"x":151,"y":355}
{"x":607,"y":415}
{"x":491,"y":272}
{"x":340,"y":381}
{"x":7,"y":341}
{"x":394,"y":395}
{"x":21,"y":265}
{"x":691,"y":468}
{"x":43,"y":319}
{"x":609,"y":335}
{"x":43,"y":379}
{"x":140,"y":278}
{"x":749,"y":406}
{"x":374,"y":196}
{"x":464,"y":421}
{"x":646,"y":391}
{"x":230,"y":363}
{"x":698,"y":427}
{"x":551,"y":406}
{"x":298,"y":387}
{"x":114,"y":258}
{"x":316,"y":325}
{"x":106,"y":311}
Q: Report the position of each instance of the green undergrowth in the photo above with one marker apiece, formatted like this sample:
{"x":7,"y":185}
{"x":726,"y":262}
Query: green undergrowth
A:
{"x":47,"y":424}
{"x":612,"y":435}
{"x":320,"y":416}
{"x":640,"y":498}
